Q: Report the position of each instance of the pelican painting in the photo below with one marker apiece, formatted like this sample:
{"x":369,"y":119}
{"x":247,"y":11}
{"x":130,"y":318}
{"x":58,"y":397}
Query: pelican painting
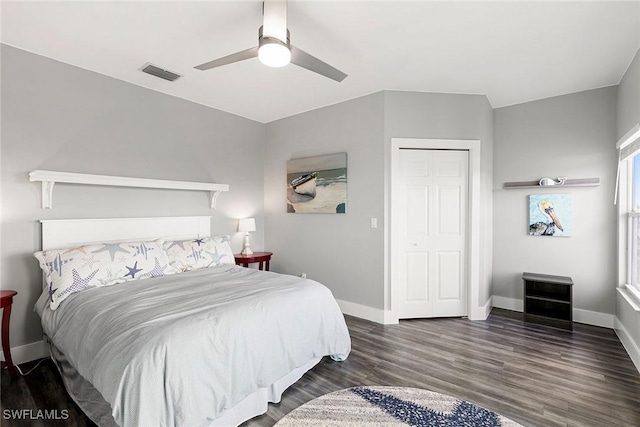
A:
{"x":550,"y":215}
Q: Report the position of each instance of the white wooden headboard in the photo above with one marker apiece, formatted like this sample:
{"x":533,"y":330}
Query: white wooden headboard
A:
{"x":67,"y":233}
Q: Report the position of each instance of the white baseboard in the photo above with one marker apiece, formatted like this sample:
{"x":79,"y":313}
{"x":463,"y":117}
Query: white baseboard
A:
{"x":28,"y":352}
{"x":594,"y":318}
{"x":512,"y":304}
{"x":386,"y":317}
{"x":628,"y":343}
{"x":483,"y":312}
{"x":377,"y":315}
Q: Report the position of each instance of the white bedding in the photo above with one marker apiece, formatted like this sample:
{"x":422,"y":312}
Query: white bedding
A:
{"x":180,"y":350}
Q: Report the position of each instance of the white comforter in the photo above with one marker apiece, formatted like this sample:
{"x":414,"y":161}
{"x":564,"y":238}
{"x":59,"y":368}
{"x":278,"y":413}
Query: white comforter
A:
{"x":180,"y":350}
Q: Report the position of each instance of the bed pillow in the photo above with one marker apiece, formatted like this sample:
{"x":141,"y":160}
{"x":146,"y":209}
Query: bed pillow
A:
{"x":199,"y":253}
{"x":68,"y":271}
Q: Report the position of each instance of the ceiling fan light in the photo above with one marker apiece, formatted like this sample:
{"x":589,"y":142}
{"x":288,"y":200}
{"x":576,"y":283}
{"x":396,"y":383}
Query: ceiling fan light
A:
{"x":274,"y":53}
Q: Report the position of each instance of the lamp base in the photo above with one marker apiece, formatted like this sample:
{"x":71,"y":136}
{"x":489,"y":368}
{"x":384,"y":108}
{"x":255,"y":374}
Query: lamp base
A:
{"x":247,"y":250}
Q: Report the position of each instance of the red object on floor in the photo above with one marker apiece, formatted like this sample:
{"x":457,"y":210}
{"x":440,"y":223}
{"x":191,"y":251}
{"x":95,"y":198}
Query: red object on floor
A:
{"x":6,"y":299}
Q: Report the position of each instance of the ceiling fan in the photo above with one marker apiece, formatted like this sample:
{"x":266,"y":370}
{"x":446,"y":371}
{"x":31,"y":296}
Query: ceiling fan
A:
{"x":274,"y":48}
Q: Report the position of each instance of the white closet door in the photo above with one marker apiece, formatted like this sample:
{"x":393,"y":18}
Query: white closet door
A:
{"x":434,"y":195}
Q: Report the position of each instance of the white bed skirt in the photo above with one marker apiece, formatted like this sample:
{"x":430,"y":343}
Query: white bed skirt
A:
{"x":257,"y":403}
{"x":99,"y":411}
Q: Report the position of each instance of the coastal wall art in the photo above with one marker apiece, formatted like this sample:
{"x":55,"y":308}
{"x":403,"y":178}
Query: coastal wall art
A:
{"x":551,"y":215}
{"x":317,"y":184}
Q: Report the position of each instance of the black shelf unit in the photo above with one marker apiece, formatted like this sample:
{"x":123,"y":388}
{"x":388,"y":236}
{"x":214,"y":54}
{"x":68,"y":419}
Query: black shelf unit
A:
{"x":548,"y":300}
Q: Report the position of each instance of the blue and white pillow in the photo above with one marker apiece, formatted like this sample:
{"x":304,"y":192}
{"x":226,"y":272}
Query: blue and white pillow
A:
{"x":193,"y":254}
{"x":68,"y":271}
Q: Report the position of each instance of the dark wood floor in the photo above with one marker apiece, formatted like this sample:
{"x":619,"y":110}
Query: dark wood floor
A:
{"x":536,"y":375}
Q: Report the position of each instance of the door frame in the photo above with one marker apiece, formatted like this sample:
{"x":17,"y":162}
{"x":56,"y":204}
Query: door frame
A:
{"x":393,"y":226}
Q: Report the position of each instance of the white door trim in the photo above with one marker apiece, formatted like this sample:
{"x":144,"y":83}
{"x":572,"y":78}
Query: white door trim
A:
{"x":475,"y":312}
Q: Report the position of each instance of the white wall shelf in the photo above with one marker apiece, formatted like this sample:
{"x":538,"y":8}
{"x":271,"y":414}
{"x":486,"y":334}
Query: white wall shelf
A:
{"x":583,"y":182}
{"x":50,"y":178}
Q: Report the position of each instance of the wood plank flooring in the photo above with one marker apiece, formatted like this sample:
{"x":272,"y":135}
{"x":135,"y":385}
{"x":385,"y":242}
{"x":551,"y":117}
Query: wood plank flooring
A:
{"x":533,"y":374}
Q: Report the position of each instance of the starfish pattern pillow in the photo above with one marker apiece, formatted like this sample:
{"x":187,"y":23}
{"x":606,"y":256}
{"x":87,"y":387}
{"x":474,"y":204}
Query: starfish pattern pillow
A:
{"x":193,"y":254}
{"x":68,"y":271}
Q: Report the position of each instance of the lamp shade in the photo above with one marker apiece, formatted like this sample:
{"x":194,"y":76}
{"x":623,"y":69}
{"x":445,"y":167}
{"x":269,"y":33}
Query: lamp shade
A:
{"x":247,"y":224}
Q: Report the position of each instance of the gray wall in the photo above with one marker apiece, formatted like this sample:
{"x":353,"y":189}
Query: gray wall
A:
{"x":572,"y":136}
{"x":628,"y":106}
{"x":59,"y":117}
{"x":342,"y":251}
{"x":628,"y":109}
{"x":339,"y":250}
{"x":446,"y":116}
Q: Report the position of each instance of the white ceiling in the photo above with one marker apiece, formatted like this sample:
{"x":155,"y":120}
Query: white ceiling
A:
{"x":512,"y":52}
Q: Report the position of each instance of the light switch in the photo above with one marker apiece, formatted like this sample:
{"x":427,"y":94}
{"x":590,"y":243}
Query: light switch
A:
{"x":374,"y":222}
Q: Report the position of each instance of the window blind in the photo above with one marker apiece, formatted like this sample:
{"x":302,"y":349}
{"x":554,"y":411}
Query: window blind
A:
{"x":629,"y":145}
{"x":630,"y":150}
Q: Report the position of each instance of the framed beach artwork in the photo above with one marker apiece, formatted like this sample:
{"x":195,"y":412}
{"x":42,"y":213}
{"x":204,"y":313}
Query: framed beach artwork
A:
{"x":317,"y":184}
{"x":551,"y":215}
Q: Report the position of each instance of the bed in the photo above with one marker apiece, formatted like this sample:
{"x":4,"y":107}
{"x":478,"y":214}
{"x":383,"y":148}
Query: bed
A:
{"x":207,"y":346}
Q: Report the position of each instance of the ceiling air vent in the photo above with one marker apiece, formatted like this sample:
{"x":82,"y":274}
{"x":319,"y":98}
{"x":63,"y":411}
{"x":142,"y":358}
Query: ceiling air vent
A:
{"x":160,"y":72}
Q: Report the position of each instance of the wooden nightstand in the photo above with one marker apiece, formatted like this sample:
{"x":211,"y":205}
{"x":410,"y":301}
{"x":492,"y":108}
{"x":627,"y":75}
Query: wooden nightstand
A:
{"x":260,"y":257}
{"x":6,"y":299}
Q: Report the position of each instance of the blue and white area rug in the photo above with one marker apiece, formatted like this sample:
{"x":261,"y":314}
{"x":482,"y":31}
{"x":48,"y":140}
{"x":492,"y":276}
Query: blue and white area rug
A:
{"x":391,"y":406}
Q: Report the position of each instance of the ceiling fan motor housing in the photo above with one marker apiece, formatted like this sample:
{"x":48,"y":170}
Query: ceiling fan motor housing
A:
{"x":272,"y":51}
{"x":262,"y":39}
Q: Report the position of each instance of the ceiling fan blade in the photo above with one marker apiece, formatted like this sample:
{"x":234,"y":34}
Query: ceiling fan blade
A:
{"x":311,"y":63}
{"x":229,"y":59}
{"x":274,"y":23}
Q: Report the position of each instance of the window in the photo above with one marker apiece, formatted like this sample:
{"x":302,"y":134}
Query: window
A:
{"x":635,"y":182}
{"x":628,"y":200}
{"x":634,"y":224}
{"x":634,"y":246}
